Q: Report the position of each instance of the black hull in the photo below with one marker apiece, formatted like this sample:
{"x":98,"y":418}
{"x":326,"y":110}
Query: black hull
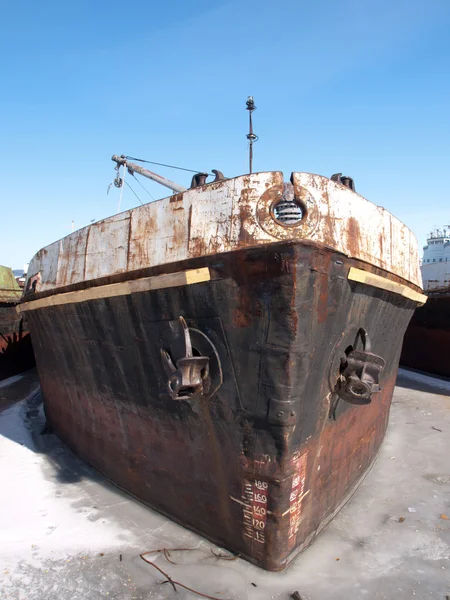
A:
{"x":262,"y":465}
{"x":427,"y":339}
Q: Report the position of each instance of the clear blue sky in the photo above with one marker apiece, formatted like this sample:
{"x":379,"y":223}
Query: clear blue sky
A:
{"x":353,"y":86}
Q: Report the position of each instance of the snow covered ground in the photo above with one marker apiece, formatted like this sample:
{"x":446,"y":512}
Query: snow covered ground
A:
{"x":67,"y":534}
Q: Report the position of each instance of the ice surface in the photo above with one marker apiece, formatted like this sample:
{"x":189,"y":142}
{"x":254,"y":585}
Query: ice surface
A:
{"x":67,"y":534}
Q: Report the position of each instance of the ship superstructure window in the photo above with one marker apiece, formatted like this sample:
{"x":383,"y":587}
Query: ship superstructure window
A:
{"x":440,"y":260}
{"x":434,"y":260}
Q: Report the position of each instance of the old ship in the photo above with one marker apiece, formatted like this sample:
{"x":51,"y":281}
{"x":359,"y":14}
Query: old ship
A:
{"x":427,"y":338}
{"x":16,"y":353}
{"x":228,"y":354}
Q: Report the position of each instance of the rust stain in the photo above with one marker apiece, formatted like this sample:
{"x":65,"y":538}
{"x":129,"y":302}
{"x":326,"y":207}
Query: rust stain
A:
{"x":219,"y":471}
{"x":327,"y":221}
{"x":286,"y":266}
{"x":129,"y":238}
{"x":178,"y":239}
{"x":198,"y":246}
{"x":353,"y":236}
{"x":87,"y":250}
{"x":241,"y":315}
{"x":73,"y":247}
{"x":189,"y":224}
{"x":140,"y":243}
{"x":245,"y":217}
{"x":344,"y":455}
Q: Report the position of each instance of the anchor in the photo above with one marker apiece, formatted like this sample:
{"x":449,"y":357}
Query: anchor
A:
{"x":359,"y":372}
{"x":190,"y":378}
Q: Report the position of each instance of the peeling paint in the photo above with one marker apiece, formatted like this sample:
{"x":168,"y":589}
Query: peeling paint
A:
{"x":225,"y":216}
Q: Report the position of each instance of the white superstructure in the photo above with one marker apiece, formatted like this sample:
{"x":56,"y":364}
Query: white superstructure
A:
{"x":436,"y":259}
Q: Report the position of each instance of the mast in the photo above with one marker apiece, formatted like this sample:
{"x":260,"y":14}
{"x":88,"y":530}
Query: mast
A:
{"x":251,"y":136}
{"x":134,"y":168}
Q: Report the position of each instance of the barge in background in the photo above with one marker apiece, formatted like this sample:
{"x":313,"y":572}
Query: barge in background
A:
{"x":16,"y":352}
{"x":228,"y":354}
{"x":427,"y":339}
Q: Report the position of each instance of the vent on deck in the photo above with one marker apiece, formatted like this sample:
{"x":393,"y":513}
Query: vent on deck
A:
{"x":288,"y":212}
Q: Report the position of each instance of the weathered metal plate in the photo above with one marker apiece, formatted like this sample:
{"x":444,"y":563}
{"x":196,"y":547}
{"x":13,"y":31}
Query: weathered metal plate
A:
{"x":72,"y":259}
{"x":159,"y":232}
{"x":107,"y":247}
{"x":427,"y":339}
{"x":225,"y":216}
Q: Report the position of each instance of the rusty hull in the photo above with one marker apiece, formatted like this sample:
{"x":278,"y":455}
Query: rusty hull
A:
{"x":16,"y":353}
{"x":427,"y":339}
{"x":264,"y":463}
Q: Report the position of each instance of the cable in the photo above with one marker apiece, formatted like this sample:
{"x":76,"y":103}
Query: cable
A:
{"x":163,"y":165}
{"x":121,"y":188}
{"x":143,"y":187}
{"x":134,"y":192}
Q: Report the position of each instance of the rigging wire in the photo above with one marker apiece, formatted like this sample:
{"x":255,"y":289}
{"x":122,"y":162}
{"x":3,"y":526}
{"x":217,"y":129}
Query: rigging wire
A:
{"x":121,"y":188}
{"x":134,"y":192}
{"x":143,"y":187}
{"x":150,"y":162}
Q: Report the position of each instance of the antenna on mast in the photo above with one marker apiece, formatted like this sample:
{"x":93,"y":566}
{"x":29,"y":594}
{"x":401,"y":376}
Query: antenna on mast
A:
{"x":251,"y":136}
